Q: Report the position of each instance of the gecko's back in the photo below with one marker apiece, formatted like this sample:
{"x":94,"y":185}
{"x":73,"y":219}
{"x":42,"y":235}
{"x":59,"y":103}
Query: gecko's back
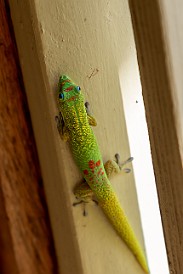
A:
{"x":88,"y":158}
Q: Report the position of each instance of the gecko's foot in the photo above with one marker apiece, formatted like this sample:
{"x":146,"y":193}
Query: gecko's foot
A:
{"x":64,"y":133}
{"x":85,"y":213}
{"x":91,"y":119}
{"x":87,"y":106}
{"x":84,"y":194}
{"x":58,"y":119}
{"x":122,"y":164}
{"x":59,"y":122}
{"x":77,"y":203}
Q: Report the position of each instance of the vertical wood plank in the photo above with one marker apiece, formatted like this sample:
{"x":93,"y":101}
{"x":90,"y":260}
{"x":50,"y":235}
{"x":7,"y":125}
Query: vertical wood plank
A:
{"x":27,"y":245}
{"x":158,"y":92}
{"x":87,"y":43}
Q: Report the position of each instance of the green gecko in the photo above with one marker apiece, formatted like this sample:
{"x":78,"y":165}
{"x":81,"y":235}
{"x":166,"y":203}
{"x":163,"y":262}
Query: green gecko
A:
{"x":74,"y":125}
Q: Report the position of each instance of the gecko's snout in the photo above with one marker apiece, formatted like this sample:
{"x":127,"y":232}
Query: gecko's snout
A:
{"x":64,"y":78}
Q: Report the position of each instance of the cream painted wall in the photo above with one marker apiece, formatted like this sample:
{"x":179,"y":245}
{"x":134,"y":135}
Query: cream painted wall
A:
{"x":89,"y":41}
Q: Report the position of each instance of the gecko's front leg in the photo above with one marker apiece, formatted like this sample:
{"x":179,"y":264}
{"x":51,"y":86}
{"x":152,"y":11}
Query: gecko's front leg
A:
{"x":64,"y":134}
{"x":91,"y":120}
{"x":84,"y":195}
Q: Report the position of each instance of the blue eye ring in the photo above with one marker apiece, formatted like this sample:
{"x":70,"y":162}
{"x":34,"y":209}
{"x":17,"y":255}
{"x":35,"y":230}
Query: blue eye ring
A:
{"x":61,"y":96}
{"x":78,"y":88}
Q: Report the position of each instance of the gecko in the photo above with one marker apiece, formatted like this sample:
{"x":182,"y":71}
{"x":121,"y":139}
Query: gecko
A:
{"x":74,"y":124}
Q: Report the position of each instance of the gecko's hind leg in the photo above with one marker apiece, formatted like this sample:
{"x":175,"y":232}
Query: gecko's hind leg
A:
{"x":91,"y":120}
{"x":114,"y":167}
{"x":84,"y":194}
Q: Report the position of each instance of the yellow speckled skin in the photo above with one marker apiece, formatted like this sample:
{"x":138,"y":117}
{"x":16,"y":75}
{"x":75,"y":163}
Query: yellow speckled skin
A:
{"x":76,"y":129}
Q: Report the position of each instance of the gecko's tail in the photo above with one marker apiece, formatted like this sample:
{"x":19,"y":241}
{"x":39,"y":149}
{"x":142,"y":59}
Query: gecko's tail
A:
{"x":117,"y":217}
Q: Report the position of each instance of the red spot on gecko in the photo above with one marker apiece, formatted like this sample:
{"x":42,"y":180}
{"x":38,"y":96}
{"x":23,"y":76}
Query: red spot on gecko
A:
{"x":71,"y":99}
{"x":98,"y":163}
{"x":85,"y":172}
{"x":91,"y":164}
{"x":99,"y":172}
{"x":68,"y":89}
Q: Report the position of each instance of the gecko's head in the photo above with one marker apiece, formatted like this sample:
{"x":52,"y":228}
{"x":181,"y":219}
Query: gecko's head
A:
{"x":68,"y":91}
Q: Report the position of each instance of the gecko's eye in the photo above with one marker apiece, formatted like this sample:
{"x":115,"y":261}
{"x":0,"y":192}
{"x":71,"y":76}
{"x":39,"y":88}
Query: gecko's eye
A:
{"x":78,"y":88}
{"x":61,"y":96}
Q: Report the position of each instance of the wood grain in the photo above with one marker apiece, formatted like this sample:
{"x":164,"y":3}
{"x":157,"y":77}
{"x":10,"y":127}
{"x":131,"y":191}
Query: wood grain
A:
{"x":25,"y":235}
{"x":160,"y":113}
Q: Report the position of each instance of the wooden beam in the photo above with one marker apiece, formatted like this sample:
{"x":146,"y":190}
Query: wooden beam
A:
{"x":53,"y":40}
{"x":158,"y":93}
{"x":25,"y":234}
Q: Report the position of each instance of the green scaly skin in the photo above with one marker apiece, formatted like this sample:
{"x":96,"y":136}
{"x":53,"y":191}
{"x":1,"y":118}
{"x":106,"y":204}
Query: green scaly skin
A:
{"x":75,"y":128}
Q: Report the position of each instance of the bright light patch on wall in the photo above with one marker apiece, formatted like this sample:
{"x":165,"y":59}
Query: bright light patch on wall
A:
{"x":142,"y":164}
